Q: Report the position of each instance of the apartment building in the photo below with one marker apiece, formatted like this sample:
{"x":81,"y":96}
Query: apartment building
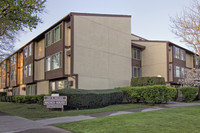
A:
{"x":87,"y":51}
{"x":163,"y":58}
{"x":90,"y":51}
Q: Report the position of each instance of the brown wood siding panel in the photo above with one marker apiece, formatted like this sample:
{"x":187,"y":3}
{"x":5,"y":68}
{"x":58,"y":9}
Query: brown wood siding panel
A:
{"x":13,"y":83}
{"x":28,"y":60}
{"x":136,"y":62}
{"x":28,"y":79}
{"x":58,"y":73}
{"x":54,"y":48}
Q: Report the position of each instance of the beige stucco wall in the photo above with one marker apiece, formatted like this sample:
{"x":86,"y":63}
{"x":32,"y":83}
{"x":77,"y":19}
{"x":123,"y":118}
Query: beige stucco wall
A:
{"x":43,"y":87}
{"x":39,"y":70}
{"x":72,"y":78}
{"x":102,"y":51}
{"x":154,"y":59}
{"x":21,"y":91}
{"x":67,"y":62}
{"x":189,"y":60}
{"x":39,"y":49}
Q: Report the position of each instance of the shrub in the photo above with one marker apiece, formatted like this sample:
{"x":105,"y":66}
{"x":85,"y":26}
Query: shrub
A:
{"x":144,"y":81}
{"x":78,"y":98}
{"x":189,"y":93}
{"x":23,"y":99}
{"x":149,"y":94}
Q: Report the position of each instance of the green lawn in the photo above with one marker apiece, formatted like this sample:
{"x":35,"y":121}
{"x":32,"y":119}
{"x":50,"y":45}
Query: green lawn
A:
{"x":36,"y":112}
{"x":171,"y":120}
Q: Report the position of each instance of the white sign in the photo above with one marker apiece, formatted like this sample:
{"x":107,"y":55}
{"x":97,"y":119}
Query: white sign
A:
{"x":55,"y":101}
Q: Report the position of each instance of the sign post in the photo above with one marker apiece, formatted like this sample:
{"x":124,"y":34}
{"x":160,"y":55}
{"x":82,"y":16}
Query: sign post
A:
{"x":55,"y":102}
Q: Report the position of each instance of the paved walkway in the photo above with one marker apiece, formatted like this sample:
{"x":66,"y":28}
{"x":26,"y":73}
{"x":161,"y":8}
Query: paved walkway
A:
{"x":11,"y":124}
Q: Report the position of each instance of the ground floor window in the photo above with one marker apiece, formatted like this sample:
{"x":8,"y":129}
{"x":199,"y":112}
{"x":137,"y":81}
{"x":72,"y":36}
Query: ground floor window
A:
{"x":179,"y":72}
{"x":57,"y":85}
{"x":31,"y":89}
{"x":15,"y":91}
{"x":136,"y":72}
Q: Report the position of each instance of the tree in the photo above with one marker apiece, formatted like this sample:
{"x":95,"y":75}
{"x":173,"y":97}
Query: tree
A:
{"x":15,"y":16}
{"x":192,"y":78}
{"x":187,"y":26}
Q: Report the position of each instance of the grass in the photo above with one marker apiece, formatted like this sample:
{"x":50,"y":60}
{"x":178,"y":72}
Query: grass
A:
{"x":171,"y":120}
{"x":37,"y":112}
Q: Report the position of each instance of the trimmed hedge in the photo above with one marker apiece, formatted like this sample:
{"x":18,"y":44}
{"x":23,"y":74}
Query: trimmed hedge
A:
{"x":78,"y":98}
{"x":23,"y":99}
{"x":144,"y":81}
{"x":189,"y":93}
{"x":149,"y":94}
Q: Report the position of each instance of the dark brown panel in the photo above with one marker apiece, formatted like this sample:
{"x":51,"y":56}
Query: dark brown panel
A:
{"x":54,"y":48}
{"x":136,"y":62}
{"x":28,"y":60}
{"x":58,"y":73}
{"x":180,"y":63}
{"x":28,"y":79}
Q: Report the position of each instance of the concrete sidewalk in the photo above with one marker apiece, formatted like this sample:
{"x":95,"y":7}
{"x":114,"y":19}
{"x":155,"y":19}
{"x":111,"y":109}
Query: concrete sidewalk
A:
{"x":11,"y":124}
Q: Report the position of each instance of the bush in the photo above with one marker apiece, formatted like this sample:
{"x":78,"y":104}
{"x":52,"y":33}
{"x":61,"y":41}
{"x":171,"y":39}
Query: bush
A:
{"x":23,"y":99}
{"x":149,"y":94}
{"x":144,"y":81}
{"x":78,"y":98}
{"x":189,"y":93}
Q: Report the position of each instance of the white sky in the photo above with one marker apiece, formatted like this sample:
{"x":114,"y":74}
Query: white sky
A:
{"x":150,"y":18}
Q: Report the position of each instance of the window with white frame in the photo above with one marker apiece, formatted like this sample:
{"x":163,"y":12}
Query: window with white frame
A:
{"x":182,"y":55}
{"x":29,"y":69}
{"x":56,"y":85}
{"x":15,"y":91}
{"x":28,"y":51}
{"x":176,"y":52}
{"x":182,"y":72}
{"x":54,"y":62}
{"x":177,"y":71}
{"x":53,"y":36}
{"x":196,"y":61}
{"x":31,"y":89}
{"x":136,"y":72}
{"x":136,"y":54}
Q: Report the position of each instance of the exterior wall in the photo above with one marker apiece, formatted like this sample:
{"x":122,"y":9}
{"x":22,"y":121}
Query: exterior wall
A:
{"x":39,"y":70}
{"x":189,"y":60}
{"x":102,"y":51}
{"x":21,"y":91}
{"x":154,"y":59}
{"x":39,"y":49}
{"x":43,"y":87}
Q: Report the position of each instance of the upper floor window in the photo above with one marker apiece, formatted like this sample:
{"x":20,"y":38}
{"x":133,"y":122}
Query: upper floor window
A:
{"x":136,"y":54}
{"x":179,"y":53}
{"x":177,"y":71}
{"x":28,"y":51}
{"x":53,"y":35}
{"x":28,"y":70}
{"x":196,"y":61}
{"x":54,"y":62}
{"x":136,"y":72}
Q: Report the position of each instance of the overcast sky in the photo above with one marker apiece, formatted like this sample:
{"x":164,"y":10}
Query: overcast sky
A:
{"x":150,"y":18}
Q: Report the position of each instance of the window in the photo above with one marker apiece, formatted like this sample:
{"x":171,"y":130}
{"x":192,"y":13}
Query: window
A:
{"x":25,"y":71}
{"x":29,"y":69}
{"x":48,"y":38}
{"x":56,"y":85}
{"x":53,"y":35}
{"x":182,"y":55}
{"x":15,"y":91}
{"x":25,"y":52}
{"x":177,"y":53}
{"x":182,"y":72}
{"x":54,"y":62}
{"x":48,"y":63}
{"x":136,"y":54}
{"x":29,"y":49}
{"x":31,"y":90}
{"x":136,"y":72}
{"x":177,"y":71}
{"x":196,"y":61}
